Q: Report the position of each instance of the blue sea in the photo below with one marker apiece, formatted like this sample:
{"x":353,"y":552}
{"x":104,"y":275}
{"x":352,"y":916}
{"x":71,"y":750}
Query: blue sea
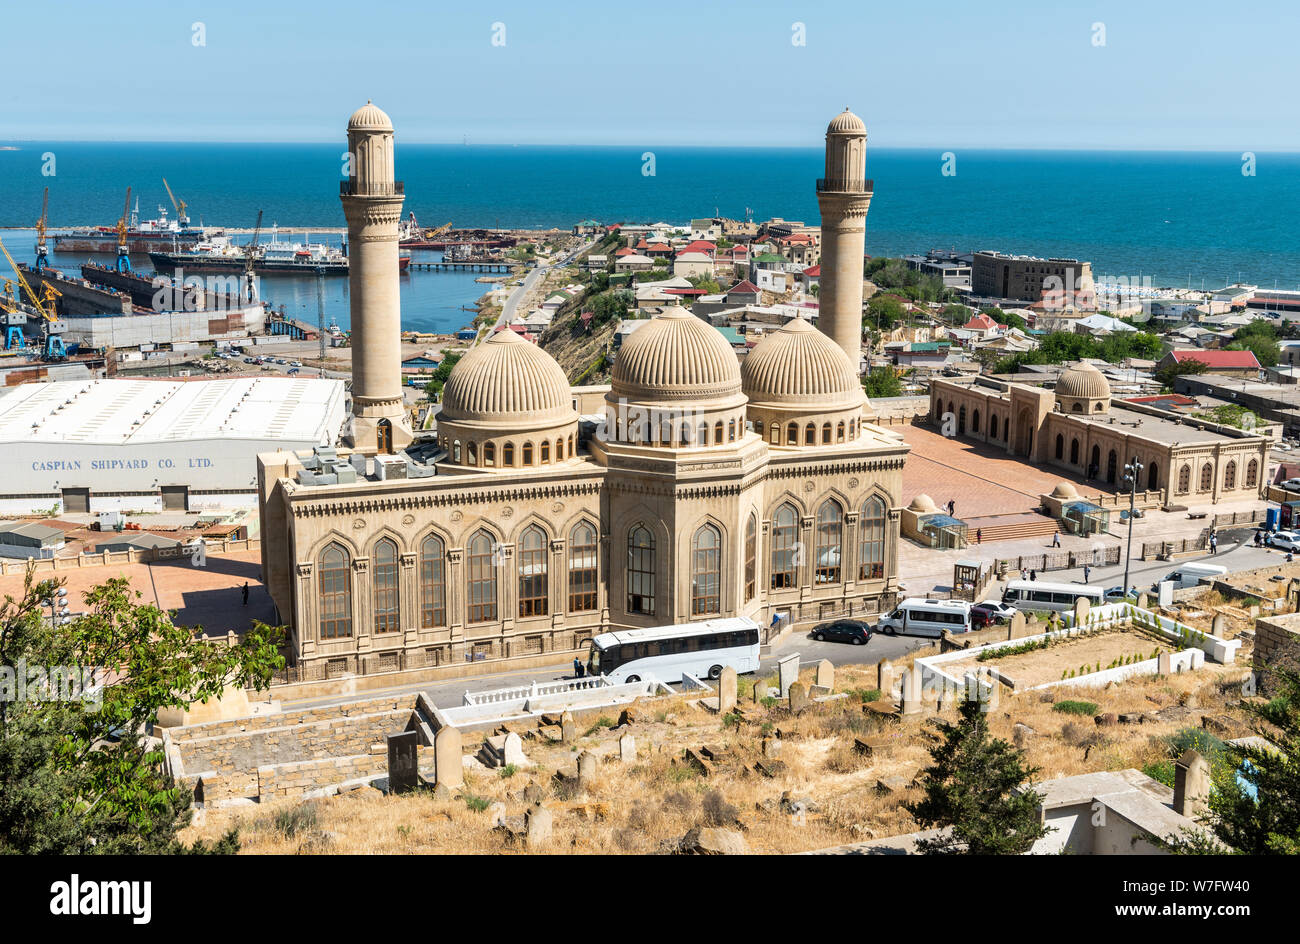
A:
{"x":1185,"y":219}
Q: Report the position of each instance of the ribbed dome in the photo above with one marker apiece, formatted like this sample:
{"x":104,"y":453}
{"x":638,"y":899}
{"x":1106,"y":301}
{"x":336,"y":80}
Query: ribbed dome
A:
{"x":507,"y":381}
{"x":846,"y":123}
{"x":369,"y":117}
{"x":676,"y":357}
{"x":800,"y":365}
{"x":1084,"y":381}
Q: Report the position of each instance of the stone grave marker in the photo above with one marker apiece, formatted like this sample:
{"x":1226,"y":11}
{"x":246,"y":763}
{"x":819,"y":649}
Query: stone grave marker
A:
{"x":403,"y":761}
{"x":1191,"y":784}
{"x":788,"y":673}
{"x":448,"y":764}
{"x":825,"y":675}
{"x":727,"y":690}
{"x":627,"y":749}
{"x":798,"y":697}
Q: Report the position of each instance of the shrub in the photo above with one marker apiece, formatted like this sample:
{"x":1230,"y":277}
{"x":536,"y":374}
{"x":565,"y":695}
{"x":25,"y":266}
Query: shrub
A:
{"x":864,"y":694}
{"x":477,"y":803}
{"x":731,"y":720}
{"x":297,"y":819}
{"x":508,"y":771}
{"x":1160,"y":770}
{"x":717,"y":811}
{"x":1088,"y":708}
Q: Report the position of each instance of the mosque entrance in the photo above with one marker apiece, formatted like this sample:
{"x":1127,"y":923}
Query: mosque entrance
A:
{"x":1025,"y":434}
{"x":384,"y":434}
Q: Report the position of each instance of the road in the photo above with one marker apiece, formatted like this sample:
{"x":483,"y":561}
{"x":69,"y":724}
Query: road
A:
{"x":530,"y":280}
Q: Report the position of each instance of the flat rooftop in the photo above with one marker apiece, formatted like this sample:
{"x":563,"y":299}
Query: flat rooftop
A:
{"x":133,"y":411}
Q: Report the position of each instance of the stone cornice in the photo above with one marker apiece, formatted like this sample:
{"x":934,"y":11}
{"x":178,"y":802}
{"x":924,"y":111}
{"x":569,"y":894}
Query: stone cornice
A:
{"x":368,"y":502}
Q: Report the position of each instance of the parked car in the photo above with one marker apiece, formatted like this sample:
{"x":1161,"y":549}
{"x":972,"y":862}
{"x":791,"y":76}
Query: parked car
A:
{"x":846,"y":630}
{"x":1286,"y":540}
{"x":1117,"y":595}
{"x":990,"y":612}
{"x":1291,"y":485}
{"x":292,"y":371}
{"x":250,"y":360}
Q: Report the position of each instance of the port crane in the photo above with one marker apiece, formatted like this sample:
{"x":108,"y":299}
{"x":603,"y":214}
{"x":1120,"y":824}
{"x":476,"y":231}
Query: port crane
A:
{"x":42,"y":250}
{"x":123,"y":250}
{"x":177,"y":205}
{"x":43,"y":305}
{"x":250,"y":256}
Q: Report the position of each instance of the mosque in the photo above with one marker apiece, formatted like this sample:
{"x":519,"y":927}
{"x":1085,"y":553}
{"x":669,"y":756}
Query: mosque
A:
{"x":693,"y":486}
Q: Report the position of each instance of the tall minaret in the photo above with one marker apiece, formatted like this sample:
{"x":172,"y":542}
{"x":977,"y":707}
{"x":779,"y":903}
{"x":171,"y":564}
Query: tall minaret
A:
{"x":844,"y":196}
{"x":372,"y":203}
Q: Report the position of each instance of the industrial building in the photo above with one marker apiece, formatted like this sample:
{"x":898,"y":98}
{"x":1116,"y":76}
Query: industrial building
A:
{"x":155,"y":445}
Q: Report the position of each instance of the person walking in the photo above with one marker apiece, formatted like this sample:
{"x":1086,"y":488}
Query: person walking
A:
{"x":1056,"y":539}
{"x":979,"y":535}
{"x":1214,"y":543}
{"x":577,"y":667}
{"x":1087,"y":574}
{"x":1024,"y":573}
{"x":1033,"y":575}
{"x":245,"y":593}
{"x":952,"y":508}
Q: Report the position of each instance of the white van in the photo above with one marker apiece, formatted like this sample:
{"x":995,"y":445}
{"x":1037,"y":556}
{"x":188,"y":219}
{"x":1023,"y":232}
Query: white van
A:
{"x":1189,"y":575}
{"x":921,"y":617}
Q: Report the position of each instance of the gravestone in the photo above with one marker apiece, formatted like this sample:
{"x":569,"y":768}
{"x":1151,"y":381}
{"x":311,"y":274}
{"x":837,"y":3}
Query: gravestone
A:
{"x":627,"y":749}
{"x":911,"y":693}
{"x":787,"y":673}
{"x":586,"y":768}
{"x":1081,"y":607}
{"x":1143,"y":601}
{"x":1017,"y":625}
{"x":538,"y":826}
{"x":403,"y":761}
{"x":1165,"y":663}
{"x":885,"y":677}
{"x":771,"y":747}
{"x":1166,"y":593}
{"x":1191,"y":784}
{"x":798,"y":697}
{"x":825,"y":675}
{"x":727,"y":691}
{"x":448,"y":765}
{"x":760,"y":692}
{"x":568,"y":728}
{"x":1219,"y":626}
{"x":514,"y":751}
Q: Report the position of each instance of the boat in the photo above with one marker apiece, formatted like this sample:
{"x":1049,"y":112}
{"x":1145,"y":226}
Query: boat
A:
{"x":141,"y":235}
{"x":221,"y":255}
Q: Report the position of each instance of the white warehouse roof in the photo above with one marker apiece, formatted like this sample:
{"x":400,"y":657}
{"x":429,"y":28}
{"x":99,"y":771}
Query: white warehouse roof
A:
{"x":136,"y":411}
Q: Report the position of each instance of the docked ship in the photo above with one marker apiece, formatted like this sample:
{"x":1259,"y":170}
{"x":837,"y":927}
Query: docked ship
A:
{"x":141,"y":235}
{"x":221,"y":255}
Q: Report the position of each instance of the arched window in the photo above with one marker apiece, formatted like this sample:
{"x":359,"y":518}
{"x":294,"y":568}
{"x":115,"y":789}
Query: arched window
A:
{"x":433,"y":583}
{"x":1097,"y":407}
{"x":810,"y":435}
{"x":871,"y":540}
{"x":1207,"y":477}
{"x":384,"y":584}
{"x":717,"y":432}
{"x":455,"y":452}
{"x":471,"y":452}
{"x":792,"y":435}
{"x":532,"y":571}
{"x":1060,"y":446}
{"x":830,"y":531}
{"x":1184,"y":479}
{"x":839,"y":431}
{"x":1074,"y":452}
{"x":489,"y":454}
{"x":731,"y":430}
{"x":961,"y":420}
{"x":975,"y":422}
{"x":641,"y":571}
{"x":335,"y":593}
{"x":559,"y":450}
{"x":1230,"y":475}
{"x":706,"y":569}
{"x":826,"y":432}
{"x":1153,"y":476}
{"x":1252,"y":473}
{"x":528,"y":453}
{"x":775,"y":432}
{"x":993,"y":427}
{"x":758,"y":428}
{"x":751,"y":557}
{"x":582,"y":568}
{"x":1095,"y":470}
{"x":1112,"y":463}
{"x":572,"y":451}
{"x":481,"y":573}
{"x":546,"y":451}
{"x":1077,"y":408}
{"x":508,"y":455}
{"x":785,"y":535}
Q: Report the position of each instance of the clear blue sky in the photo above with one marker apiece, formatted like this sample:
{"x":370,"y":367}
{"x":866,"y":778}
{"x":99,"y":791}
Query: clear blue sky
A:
{"x":1020,"y":73}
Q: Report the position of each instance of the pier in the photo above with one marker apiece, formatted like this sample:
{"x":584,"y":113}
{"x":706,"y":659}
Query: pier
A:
{"x":470,"y":266}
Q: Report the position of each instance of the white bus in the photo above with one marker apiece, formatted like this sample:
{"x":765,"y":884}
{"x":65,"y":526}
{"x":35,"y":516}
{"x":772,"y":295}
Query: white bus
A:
{"x":666,"y":652}
{"x":921,"y":617}
{"x":1041,"y":595}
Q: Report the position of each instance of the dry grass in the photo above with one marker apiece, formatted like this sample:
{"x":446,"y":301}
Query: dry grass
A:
{"x":634,"y":808}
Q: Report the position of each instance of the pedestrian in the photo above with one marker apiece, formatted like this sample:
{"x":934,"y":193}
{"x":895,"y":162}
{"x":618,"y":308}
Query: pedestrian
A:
{"x":1056,"y":539}
{"x":1033,"y":575}
{"x":1214,"y":543}
{"x":1024,"y":573}
{"x":1087,"y":573}
{"x":952,"y":508}
{"x":577,"y":667}
{"x":979,"y":535}
{"x":245,"y":593}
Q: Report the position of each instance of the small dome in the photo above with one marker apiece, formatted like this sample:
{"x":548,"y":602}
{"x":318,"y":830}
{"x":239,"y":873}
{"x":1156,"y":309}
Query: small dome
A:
{"x":1064,"y":490}
{"x":846,"y":123}
{"x":923,"y":505}
{"x":800,"y":365}
{"x":369,"y":117}
{"x":675,"y":357}
{"x":507,"y":381}
{"x":1083,"y":381}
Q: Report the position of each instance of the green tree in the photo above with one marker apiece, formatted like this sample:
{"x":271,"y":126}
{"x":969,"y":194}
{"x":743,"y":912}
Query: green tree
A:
{"x":433,"y":389}
{"x":882,"y":382}
{"x":1170,"y":372}
{"x":885,"y":311}
{"x":81,"y":776}
{"x":977,"y":790}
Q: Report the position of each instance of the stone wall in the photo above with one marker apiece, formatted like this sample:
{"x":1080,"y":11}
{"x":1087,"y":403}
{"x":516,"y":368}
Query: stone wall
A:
{"x":295,"y":779}
{"x":1277,"y":643}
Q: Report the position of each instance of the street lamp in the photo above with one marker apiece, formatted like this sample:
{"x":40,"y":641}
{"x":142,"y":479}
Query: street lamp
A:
{"x":1132,"y":470}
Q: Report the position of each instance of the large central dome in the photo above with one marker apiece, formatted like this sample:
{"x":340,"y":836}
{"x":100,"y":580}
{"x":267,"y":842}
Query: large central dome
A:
{"x":800,"y":365}
{"x":507,"y":381}
{"x":676,"y":357}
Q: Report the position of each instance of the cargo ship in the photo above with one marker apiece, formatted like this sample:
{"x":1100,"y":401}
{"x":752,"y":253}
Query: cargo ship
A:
{"x":141,"y":235}
{"x":221,"y":255}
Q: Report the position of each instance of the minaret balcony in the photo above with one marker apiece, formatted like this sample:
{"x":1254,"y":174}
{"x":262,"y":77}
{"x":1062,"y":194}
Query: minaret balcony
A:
{"x":843,"y":185}
{"x":346,"y":189}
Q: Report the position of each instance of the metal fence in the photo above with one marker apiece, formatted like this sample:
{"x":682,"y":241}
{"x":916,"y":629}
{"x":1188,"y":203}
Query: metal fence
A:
{"x":1063,"y":560}
{"x":1165,"y":549}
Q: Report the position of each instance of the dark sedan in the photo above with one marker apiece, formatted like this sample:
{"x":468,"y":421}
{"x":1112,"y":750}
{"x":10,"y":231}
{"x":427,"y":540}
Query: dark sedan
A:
{"x":847,"y":630}
{"x":990,"y":612}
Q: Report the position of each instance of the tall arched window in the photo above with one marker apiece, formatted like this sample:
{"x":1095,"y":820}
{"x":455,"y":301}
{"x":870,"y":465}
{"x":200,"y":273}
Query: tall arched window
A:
{"x":1153,"y":476}
{"x":508,"y":455}
{"x":1184,"y":479}
{"x":528,"y":453}
{"x":706,"y":570}
{"x":830,"y":531}
{"x":839,"y":431}
{"x":582,"y":568}
{"x":975,"y":422}
{"x":717,"y":432}
{"x":1207,"y":477}
{"x":826,"y":432}
{"x":751,"y":557}
{"x":559,"y":450}
{"x":810,"y":435}
{"x":1252,"y":473}
{"x":993,"y":427}
{"x":871,"y":540}
{"x":433,"y":583}
{"x":471,"y":453}
{"x":1230,"y":475}
{"x":731,"y":430}
{"x":1060,"y":446}
{"x":641,"y":571}
{"x":792,"y":435}
{"x":489,"y":454}
{"x":1074,"y":452}
{"x":335,"y":593}
{"x":481,"y":573}
{"x":785,"y":535}
{"x":532,"y":570}
{"x":546,"y":451}
{"x":384,"y":584}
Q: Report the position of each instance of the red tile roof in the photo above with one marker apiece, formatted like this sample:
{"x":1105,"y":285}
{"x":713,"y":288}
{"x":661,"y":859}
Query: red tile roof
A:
{"x":813,"y":272}
{"x":980,"y":322}
{"x":744,"y":288}
{"x":626,"y":252}
{"x":1218,"y":359}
